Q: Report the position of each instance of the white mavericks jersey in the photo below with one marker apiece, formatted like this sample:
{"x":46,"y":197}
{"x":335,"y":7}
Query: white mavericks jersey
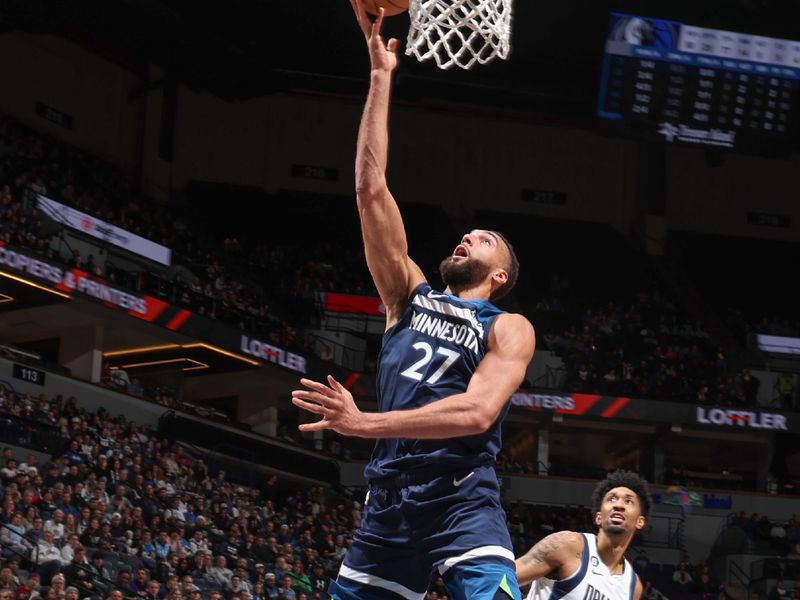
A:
{"x":592,"y":580}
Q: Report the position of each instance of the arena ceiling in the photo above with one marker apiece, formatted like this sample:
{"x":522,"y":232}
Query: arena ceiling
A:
{"x":240,"y":49}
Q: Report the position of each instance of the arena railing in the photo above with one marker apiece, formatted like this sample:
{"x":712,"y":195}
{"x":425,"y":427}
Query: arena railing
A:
{"x":33,"y":434}
{"x":268,"y":452}
{"x":735,"y":572}
{"x":763,"y":571}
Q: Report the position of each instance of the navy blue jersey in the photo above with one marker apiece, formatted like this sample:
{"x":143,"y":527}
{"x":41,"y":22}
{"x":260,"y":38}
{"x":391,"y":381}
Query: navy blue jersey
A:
{"x":429,"y":354}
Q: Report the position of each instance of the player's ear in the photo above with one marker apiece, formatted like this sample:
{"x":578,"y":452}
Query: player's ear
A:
{"x":597,"y":519}
{"x":500,"y":276}
{"x":640,"y":522}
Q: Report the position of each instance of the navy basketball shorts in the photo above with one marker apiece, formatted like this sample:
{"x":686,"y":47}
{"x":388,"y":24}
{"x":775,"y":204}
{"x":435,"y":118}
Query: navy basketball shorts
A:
{"x":454,"y":524}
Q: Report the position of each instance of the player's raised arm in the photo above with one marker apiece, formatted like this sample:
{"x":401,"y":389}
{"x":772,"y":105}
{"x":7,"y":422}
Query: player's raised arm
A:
{"x":385,"y":244}
{"x":549,"y":556}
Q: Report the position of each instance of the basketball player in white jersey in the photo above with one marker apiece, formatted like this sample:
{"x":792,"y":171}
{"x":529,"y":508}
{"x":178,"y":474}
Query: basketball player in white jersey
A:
{"x":581,"y":566}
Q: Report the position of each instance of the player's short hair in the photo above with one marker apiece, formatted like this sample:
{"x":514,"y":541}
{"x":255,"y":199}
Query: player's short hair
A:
{"x":629,"y":479}
{"x":512,"y":268}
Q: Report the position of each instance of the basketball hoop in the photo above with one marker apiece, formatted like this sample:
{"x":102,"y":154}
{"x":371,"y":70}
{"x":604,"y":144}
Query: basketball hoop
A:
{"x":459,"y":32}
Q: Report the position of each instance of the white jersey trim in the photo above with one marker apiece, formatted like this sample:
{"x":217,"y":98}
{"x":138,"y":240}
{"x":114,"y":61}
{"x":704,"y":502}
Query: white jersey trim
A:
{"x":374,"y":581}
{"x":477,"y":553}
{"x":446,"y":308}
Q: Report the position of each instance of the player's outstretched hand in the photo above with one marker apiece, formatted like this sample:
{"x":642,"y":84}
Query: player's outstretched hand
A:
{"x":333,"y":402}
{"x":383,"y":56}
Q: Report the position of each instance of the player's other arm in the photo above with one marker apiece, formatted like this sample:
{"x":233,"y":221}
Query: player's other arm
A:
{"x":637,"y":595}
{"x":549,"y":556}
{"x":385,"y":243}
{"x":511,"y":345}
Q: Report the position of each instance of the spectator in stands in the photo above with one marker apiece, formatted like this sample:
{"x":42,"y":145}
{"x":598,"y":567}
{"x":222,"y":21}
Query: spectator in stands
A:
{"x":147,"y":550}
{"x":784,"y":386}
{"x":220,"y":573}
{"x":706,"y":587}
{"x":229,"y":547}
{"x":149,"y":502}
{"x":91,"y":534}
{"x":9,"y":472}
{"x":30,"y":589}
{"x":70,"y":523}
{"x":201,"y":564}
{"x":281,"y":568}
{"x":762,"y":528}
{"x":650,"y":592}
{"x":750,"y":386}
{"x":438,"y":585}
{"x":107,"y":541}
{"x":286,"y":591}
{"x":57,"y":589}
{"x":120,"y":378}
{"x":172,"y":586}
{"x":258,"y":592}
{"x":793,"y":534}
{"x":319,"y":582}
{"x":123,"y":583}
{"x":34,"y":532}
{"x":641,"y":563}
{"x":178,"y":543}
{"x":12,"y":537}
{"x":68,"y":549}
{"x":302,"y":580}
{"x":47,"y":555}
{"x":74,"y":456}
{"x":7,"y":578}
{"x":70,"y":593}
{"x":31,"y":462}
{"x":778,"y":539}
{"x":117,"y":528}
{"x":244,"y":576}
{"x":55,"y":525}
{"x":194,"y":593}
{"x":100,"y":575}
{"x":681,"y":575}
{"x":52,"y":477}
{"x":154,"y":591}
{"x":779,"y":592}
{"x":175,"y":512}
{"x":92,"y":267}
{"x":162,"y":546}
{"x":79,"y":572}
{"x":271,"y":589}
{"x":339,"y":548}
{"x":140,"y":582}
{"x":235,"y":586}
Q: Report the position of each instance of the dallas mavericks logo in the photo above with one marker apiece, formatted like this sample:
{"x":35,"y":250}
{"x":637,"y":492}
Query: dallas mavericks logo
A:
{"x":639,"y":31}
{"x":593,"y":594}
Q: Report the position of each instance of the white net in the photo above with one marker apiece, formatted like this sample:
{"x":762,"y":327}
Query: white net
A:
{"x":459,"y":32}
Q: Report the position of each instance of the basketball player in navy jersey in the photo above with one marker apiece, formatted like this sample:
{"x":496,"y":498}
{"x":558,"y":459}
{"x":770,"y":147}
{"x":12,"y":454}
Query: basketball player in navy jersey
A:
{"x":448,"y":366}
{"x":581,"y":566}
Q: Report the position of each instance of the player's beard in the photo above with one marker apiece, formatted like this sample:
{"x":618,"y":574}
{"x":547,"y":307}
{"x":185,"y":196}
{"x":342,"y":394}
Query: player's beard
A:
{"x":615,"y":529}
{"x":463,"y":273}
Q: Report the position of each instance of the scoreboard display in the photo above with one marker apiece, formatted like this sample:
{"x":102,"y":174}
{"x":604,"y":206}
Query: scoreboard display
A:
{"x":663,"y":80}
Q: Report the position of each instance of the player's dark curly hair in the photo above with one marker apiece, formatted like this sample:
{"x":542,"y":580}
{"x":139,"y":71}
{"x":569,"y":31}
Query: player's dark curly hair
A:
{"x":628,"y":479}
{"x":512,"y":269}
